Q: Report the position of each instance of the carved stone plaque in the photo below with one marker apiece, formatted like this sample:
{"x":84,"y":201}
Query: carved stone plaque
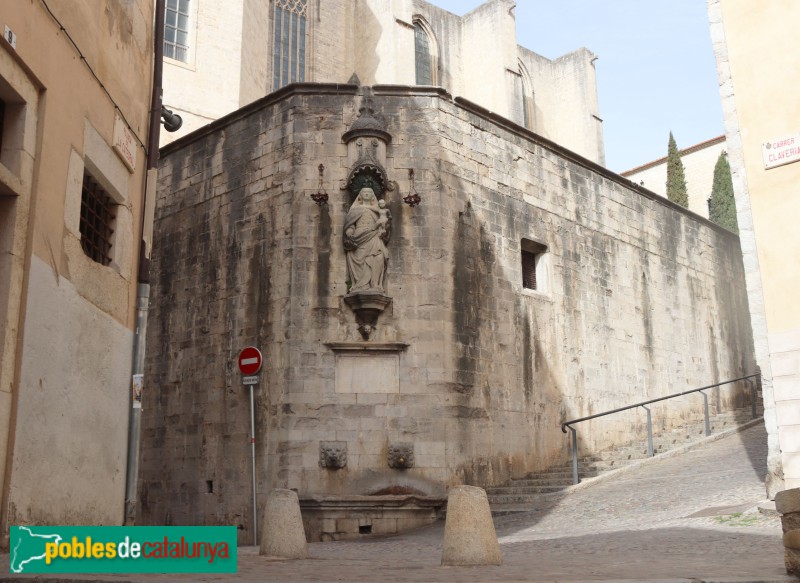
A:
{"x":367,"y":373}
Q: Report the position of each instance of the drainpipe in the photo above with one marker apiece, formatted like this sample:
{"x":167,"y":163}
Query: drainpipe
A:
{"x":143,"y":276}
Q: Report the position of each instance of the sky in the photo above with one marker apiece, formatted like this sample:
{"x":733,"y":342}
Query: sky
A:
{"x":655,"y":70}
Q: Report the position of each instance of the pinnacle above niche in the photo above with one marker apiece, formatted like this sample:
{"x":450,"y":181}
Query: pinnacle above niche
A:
{"x":369,"y":122}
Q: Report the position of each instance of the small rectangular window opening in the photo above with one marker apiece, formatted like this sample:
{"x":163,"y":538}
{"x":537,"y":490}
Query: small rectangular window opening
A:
{"x":98,"y":211}
{"x":534,"y":274}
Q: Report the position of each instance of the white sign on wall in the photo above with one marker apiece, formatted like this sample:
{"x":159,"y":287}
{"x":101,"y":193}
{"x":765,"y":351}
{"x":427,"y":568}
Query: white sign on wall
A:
{"x":137,"y":386}
{"x":782,"y":151}
{"x":124,"y":143}
{"x":10,"y":37}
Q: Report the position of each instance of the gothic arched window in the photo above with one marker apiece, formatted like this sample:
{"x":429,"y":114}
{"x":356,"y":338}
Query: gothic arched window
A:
{"x":424,"y":52}
{"x":289,"y":44}
{"x":524,"y":99}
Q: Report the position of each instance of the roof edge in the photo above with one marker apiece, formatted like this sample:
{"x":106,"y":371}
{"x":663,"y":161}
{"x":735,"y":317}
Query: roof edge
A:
{"x":465,"y":104}
{"x":685,"y":151}
{"x":274,"y":97}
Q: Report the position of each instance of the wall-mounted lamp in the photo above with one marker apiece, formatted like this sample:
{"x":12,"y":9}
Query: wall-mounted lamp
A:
{"x":172,"y":121}
{"x":412,"y":199}
{"x":320,"y":197}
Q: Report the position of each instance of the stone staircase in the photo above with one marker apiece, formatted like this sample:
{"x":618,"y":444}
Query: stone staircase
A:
{"x":521,"y":494}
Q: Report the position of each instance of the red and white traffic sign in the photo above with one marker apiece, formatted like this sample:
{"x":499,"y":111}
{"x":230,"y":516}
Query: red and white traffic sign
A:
{"x":250,"y":360}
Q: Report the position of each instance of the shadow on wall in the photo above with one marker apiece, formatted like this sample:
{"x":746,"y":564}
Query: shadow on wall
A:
{"x":367,"y":32}
{"x":196,"y":415}
{"x":736,"y":331}
{"x":604,"y":335}
{"x":506,"y":380}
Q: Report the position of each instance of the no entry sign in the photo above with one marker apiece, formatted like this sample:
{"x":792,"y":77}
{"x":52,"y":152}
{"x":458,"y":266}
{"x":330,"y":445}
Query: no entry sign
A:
{"x":250,"y":360}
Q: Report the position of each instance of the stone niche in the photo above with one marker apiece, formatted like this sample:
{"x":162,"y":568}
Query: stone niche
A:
{"x":367,"y":228}
{"x":327,"y":518}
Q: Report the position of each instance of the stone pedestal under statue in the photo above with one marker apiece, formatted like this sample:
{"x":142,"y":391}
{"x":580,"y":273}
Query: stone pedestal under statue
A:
{"x":367,"y":306}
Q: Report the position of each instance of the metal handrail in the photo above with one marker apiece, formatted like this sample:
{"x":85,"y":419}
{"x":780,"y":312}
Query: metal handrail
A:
{"x":568,"y":424}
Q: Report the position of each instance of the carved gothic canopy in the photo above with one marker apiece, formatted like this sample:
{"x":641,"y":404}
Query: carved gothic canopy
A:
{"x":367,"y":175}
{"x":366,"y":134}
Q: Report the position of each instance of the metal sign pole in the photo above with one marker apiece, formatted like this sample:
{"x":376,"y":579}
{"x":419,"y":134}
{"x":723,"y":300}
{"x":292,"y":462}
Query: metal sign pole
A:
{"x":253,"y":458}
{"x":250,"y":361}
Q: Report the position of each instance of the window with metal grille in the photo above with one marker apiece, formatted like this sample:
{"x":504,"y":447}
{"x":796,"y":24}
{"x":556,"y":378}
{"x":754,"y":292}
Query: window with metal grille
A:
{"x":176,"y":30}
{"x":289,"y":42}
{"x":528,"y":270}
{"x":422,"y":55}
{"x":98,"y":211}
{"x":534,"y":265}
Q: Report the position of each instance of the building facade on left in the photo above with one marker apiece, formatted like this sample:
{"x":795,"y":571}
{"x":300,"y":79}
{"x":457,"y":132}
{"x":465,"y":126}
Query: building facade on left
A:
{"x":76,"y":84}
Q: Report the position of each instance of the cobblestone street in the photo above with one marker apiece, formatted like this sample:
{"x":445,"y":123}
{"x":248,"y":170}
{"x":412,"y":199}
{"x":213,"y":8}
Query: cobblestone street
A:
{"x":686,"y":518}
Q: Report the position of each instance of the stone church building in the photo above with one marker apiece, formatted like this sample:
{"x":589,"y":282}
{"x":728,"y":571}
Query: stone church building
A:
{"x":435,"y":284}
{"x":226,"y":55}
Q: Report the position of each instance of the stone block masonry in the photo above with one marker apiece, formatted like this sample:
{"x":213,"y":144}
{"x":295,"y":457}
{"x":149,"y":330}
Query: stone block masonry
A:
{"x":638,"y":299}
{"x":787,"y":503}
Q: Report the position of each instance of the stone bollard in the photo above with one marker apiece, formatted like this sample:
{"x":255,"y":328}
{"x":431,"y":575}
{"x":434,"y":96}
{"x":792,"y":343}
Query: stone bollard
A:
{"x":282,"y":533}
{"x":469,"y":535}
{"x":787,"y":503}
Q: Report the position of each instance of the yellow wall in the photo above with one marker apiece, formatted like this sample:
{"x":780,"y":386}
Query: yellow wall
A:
{"x":766,"y":76}
{"x":66,"y":322}
{"x":759,"y":75}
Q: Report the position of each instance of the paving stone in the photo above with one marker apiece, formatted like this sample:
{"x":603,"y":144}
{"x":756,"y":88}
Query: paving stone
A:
{"x":634,"y":527}
{"x":526,"y":491}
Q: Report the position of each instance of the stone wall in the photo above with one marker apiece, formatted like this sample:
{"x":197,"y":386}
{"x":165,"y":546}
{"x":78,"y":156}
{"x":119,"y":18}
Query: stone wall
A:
{"x":637,"y":298}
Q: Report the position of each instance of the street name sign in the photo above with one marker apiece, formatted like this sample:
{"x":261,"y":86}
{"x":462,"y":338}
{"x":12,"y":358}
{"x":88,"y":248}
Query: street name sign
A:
{"x":781,"y":151}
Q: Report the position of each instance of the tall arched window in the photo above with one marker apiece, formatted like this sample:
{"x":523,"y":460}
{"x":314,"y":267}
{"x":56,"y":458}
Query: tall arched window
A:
{"x":424,"y":55}
{"x":524,"y":98}
{"x":289,"y":44}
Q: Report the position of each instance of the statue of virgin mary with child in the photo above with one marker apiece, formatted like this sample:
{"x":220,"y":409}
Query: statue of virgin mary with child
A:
{"x":366,"y":233}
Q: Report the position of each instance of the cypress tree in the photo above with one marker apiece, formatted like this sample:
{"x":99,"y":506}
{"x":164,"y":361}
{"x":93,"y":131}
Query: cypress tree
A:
{"x":721,"y":205}
{"x":676,"y":175}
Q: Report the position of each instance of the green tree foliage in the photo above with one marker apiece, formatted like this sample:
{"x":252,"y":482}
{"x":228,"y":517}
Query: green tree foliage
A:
{"x":722,"y":206}
{"x":676,"y":175}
